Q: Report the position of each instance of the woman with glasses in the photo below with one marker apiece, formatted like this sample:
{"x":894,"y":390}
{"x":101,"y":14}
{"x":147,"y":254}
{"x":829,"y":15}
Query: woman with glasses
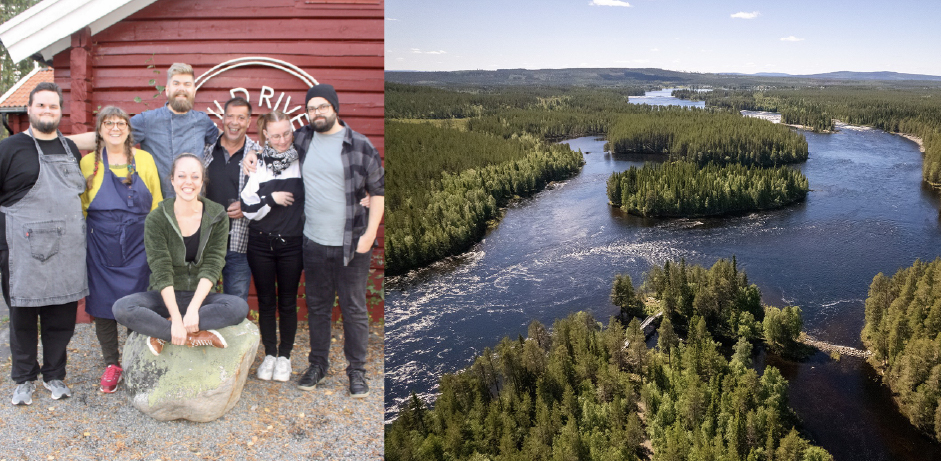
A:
{"x":122,"y":187}
{"x":273,"y":199}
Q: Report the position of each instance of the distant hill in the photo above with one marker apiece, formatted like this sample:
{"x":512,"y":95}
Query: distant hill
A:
{"x":578,"y":76}
{"x":646,"y":77}
{"x":888,"y":76}
{"x":847,"y":75}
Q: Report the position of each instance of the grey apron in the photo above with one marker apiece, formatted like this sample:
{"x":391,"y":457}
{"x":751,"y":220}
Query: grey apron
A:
{"x":46,"y":235}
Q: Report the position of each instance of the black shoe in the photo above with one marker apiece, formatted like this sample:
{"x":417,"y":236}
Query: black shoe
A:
{"x":358,"y":387}
{"x":311,"y":378}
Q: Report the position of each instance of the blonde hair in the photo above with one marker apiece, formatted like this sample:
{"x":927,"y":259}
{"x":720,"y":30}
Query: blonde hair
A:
{"x":110,"y":112}
{"x":265,"y":119}
{"x":179,"y":68}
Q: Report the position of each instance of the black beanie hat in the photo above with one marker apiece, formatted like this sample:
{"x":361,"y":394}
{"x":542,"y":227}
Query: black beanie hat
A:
{"x":324,"y":91}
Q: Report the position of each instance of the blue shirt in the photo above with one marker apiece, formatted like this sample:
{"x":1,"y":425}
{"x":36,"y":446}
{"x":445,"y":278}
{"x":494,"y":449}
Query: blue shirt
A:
{"x":167,"y":135}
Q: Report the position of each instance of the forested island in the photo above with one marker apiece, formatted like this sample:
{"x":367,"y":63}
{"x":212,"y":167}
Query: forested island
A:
{"x":914,"y":111}
{"x":702,"y":136}
{"x":682,"y":189}
{"x":584,"y":391}
{"x":903,"y":331}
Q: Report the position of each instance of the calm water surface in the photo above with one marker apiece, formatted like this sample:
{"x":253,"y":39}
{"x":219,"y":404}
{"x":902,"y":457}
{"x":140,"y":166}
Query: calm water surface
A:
{"x":558,"y":252}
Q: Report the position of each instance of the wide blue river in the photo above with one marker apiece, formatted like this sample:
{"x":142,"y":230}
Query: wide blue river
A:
{"x":557,"y":253}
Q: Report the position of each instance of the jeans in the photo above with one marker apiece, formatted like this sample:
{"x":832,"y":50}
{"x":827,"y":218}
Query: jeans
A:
{"x":326,"y":278}
{"x":276,"y":264}
{"x":146,"y":313}
{"x":236,"y":276}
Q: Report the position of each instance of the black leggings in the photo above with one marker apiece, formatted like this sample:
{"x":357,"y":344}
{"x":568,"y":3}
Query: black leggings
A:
{"x":276,"y":263}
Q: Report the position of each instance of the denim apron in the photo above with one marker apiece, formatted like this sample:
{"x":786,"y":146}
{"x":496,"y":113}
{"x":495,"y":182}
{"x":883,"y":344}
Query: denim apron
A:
{"x":46,"y":234}
{"x":117,"y":263}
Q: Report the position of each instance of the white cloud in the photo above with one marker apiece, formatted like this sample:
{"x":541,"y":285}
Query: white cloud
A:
{"x":609,"y":3}
{"x":419,"y":51}
{"x":744,"y":15}
{"x":791,"y":39}
{"x":655,"y":49}
{"x":391,"y":19}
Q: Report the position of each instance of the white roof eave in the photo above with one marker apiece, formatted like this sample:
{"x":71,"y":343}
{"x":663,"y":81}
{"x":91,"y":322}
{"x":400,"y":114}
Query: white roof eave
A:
{"x":48,"y":26}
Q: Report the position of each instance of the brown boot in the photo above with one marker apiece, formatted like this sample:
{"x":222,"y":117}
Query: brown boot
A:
{"x":155,"y":345}
{"x":205,"y":338}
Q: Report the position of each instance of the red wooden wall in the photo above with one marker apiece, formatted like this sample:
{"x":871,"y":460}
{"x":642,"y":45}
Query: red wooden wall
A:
{"x":339,"y":42}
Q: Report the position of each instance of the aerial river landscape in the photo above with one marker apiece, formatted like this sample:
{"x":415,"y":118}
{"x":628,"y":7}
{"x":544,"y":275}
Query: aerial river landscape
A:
{"x":557,"y":252}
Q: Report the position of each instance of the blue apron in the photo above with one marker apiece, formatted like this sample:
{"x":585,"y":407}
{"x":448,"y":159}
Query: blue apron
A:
{"x":117,"y":263}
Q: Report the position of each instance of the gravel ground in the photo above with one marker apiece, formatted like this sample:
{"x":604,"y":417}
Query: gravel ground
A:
{"x":272,"y":420}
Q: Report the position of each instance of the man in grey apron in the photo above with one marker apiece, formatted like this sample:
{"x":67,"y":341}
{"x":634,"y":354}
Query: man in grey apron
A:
{"x":42,"y":244}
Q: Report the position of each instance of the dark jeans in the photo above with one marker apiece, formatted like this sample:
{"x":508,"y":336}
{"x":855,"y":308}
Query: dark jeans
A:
{"x":236,"y":277}
{"x":146,"y":314}
{"x":56,"y":325}
{"x":326,"y":278}
{"x":276,"y":264}
{"x":107,"y":332}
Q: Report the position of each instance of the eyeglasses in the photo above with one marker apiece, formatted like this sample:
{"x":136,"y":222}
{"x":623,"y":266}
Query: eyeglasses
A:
{"x":111,"y":124}
{"x":279,"y":137}
{"x":323,"y":108}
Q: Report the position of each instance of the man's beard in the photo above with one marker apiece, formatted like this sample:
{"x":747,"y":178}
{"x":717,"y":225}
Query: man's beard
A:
{"x":43,"y":127}
{"x":181,"y":105}
{"x":326,"y":124}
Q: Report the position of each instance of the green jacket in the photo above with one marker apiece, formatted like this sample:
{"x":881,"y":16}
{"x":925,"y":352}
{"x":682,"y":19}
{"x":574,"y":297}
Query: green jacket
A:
{"x":166,"y":253}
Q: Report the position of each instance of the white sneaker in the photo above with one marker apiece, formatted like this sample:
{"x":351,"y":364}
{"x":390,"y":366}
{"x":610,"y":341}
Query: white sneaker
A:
{"x":266,"y":368}
{"x":282,"y":370}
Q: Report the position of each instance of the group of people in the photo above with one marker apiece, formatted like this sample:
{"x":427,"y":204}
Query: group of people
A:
{"x":145,"y":234}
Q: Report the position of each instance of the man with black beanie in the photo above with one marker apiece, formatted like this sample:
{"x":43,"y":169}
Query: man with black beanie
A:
{"x":339,"y":167}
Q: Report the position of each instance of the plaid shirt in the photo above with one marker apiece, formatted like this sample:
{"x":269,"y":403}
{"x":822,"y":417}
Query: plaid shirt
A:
{"x":238,"y":228}
{"x":363,"y":173}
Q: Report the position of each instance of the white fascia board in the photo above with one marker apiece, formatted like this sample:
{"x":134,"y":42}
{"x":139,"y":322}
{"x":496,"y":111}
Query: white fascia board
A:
{"x":48,"y":26}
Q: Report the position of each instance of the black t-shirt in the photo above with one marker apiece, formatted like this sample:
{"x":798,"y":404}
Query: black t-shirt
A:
{"x":223,"y":185}
{"x":19,"y":169}
{"x":192,"y":246}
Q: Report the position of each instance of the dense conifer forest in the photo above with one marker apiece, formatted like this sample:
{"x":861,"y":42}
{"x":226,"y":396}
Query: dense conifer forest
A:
{"x":701,"y":136}
{"x":582,"y":391}
{"x":478,"y":148}
{"x":915,"y":111}
{"x":682,"y":189}
{"x":903,"y":331}
{"x":445,"y":184}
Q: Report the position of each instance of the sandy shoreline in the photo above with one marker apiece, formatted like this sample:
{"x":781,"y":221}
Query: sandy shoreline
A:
{"x":916,"y":139}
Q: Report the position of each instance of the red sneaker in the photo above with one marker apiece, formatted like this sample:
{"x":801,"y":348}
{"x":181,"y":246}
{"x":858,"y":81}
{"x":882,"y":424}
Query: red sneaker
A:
{"x":110,"y":379}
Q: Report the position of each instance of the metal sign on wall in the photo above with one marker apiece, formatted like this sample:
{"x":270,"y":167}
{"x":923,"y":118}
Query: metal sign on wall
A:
{"x":266,"y":94}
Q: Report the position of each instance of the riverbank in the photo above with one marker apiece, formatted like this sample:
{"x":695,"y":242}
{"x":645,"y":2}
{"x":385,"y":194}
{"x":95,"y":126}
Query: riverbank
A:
{"x":915,"y":139}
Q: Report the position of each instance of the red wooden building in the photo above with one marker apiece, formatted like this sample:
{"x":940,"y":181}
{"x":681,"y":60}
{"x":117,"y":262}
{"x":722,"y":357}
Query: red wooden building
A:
{"x":270,"y":51}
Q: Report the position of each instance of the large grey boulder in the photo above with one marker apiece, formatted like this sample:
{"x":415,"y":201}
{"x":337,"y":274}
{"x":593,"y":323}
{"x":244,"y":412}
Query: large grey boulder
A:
{"x":195,"y":383}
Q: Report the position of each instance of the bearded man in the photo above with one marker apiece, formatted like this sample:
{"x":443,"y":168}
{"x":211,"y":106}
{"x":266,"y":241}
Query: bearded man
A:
{"x":171,"y":130}
{"x":42,"y":244}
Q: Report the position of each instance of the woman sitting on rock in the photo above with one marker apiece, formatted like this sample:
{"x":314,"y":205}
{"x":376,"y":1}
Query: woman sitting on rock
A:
{"x":185,"y":239}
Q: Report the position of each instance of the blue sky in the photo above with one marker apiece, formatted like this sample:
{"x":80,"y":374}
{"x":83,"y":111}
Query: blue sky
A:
{"x":795,"y":37}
